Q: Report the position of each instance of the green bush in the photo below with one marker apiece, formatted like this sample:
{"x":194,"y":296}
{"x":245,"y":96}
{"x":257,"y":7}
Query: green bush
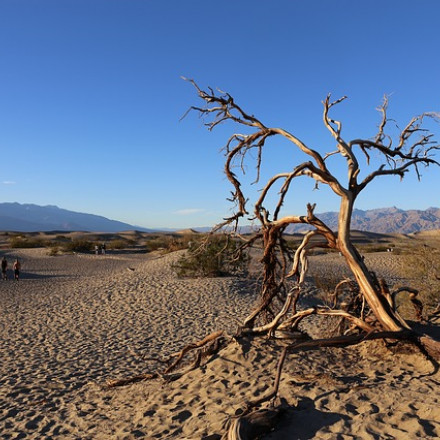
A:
{"x":215,"y":257}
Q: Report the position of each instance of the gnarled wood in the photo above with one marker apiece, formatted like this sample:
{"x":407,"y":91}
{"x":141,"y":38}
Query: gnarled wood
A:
{"x":414,"y":147}
{"x":190,"y":347}
{"x":253,"y":425}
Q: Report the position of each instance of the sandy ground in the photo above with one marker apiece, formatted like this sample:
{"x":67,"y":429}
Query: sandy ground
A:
{"x":72,"y":322}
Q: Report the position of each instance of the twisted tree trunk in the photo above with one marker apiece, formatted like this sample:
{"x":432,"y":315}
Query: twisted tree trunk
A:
{"x":411,"y":148}
{"x":381,"y":308}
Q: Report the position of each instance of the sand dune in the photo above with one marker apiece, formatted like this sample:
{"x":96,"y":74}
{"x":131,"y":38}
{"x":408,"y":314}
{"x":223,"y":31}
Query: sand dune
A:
{"x":74,"y":321}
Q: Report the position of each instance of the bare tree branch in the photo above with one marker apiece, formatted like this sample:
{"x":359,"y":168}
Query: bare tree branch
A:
{"x":414,"y":147}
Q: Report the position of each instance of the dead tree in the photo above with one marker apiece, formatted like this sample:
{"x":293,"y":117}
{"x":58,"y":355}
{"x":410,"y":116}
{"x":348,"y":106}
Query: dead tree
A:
{"x":410,"y":149}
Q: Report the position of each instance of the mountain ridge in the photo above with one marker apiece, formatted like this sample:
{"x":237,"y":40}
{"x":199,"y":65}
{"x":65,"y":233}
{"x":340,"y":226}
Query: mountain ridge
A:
{"x":389,"y":220}
{"x":30,"y":218}
{"x":379,"y":220}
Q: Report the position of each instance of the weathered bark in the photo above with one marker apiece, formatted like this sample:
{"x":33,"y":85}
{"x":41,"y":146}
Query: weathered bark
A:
{"x":214,"y":338}
{"x":396,"y":158}
{"x":253,"y":425}
{"x":383,"y":311}
{"x":430,"y":345}
{"x":210,"y":338}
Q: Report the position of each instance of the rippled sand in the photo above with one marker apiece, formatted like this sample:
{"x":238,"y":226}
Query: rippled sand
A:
{"x":74,"y":321}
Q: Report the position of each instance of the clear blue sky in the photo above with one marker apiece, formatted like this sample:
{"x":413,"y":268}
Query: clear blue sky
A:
{"x":91,"y":97}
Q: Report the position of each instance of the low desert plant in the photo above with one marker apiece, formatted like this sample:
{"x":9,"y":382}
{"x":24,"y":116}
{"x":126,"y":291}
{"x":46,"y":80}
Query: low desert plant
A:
{"x":168,"y":243}
{"x":157,"y":242}
{"x":78,"y":246}
{"x":120,"y":244}
{"x":423,"y":269}
{"x":371,"y":248}
{"x":62,"y":238}
{"x":215,"y":257}
{"x":19,"y":242}
{"x":53,"y":251}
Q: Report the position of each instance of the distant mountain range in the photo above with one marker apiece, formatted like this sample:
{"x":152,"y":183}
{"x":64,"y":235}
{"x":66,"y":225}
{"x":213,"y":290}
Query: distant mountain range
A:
{"x":29,"y":218}
{"x":381,"y":221}
{"x":384,"y":220}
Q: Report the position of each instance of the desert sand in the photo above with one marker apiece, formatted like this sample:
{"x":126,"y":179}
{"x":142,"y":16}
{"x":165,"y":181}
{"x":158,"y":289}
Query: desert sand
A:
{"x":73,"y":322}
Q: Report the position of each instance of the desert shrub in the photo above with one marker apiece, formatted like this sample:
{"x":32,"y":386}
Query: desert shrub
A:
{"x":168,"y":243}
{"x":119,"y":244}
{"x":370,"y":248}
{"x":18,"y":242}
{"x":182,"y":242}
{"x":157,"y":242}
{"x":62,"y":238}
{"x":215,"y":257}
{"x":53,"y":251}
{"x":78,"y":246}
{"x":423,"y":269}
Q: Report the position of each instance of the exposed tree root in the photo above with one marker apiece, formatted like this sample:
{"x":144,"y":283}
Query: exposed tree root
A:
{"x":430,"y":346}
{"x":435,"y":314}
{"x":253,"y":425}
{"x":190,"y":347}
{"x":255,"y":421}
{"x":347,"y":340}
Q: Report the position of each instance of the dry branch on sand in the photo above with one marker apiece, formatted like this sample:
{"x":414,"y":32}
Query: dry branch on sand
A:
{"x":209,"y":344}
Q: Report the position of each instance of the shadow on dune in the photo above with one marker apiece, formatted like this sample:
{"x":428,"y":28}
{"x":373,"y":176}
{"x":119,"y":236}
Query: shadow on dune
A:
{"x":432,"y":330}
{"x":34,"y":276}
{"x":122,"y":252}
{"x":304,"y":421}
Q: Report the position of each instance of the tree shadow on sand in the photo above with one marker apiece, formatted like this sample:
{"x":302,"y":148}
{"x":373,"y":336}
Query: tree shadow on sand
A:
{"x":304,"y":421}
{"x":431,"y":329}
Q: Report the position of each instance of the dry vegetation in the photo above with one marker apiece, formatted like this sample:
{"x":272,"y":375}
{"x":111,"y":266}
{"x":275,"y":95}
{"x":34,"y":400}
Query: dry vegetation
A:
{"x":59,"y":242}
{"x":418,"y":257}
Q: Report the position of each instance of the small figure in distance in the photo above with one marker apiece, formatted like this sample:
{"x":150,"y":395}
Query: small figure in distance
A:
{"x":17,"y":267}
{"x":4,"y":268}
{"x":103,"y":249}
{"x":96,"y":249}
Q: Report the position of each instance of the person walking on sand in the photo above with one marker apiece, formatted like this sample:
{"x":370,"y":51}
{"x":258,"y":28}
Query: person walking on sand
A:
{"x":4,"y":268}
{"x":17,"y":267}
